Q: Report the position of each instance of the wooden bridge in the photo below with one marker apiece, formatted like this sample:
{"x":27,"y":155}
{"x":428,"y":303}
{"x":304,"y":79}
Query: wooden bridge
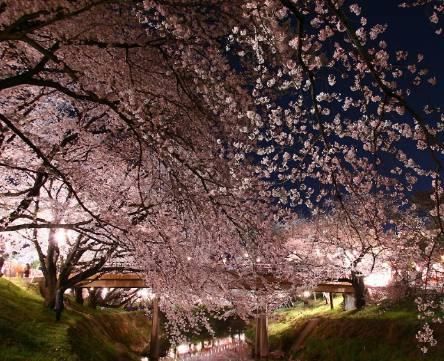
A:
{"x":115,"y":280}
{"x":136,"y":280}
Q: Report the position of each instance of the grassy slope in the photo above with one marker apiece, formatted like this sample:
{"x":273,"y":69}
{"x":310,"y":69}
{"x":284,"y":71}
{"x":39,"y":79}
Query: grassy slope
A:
{"x":28,"y":330}
{"x":374,"y":334}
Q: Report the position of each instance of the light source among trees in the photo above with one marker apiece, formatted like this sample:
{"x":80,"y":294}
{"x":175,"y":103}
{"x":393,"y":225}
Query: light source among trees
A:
{"x":170,"y":130}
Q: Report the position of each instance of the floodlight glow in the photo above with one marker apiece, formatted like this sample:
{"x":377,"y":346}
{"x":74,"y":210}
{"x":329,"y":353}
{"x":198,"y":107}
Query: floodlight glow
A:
{"x":378,"y":279}
{"x":60,"y":237}
{"x":306,"y":294}
{"x":144,"y":293}
{"x":183,"y":348}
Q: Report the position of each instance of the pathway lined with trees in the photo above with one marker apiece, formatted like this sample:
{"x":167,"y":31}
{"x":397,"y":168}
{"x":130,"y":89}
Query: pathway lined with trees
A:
{"x":194,"y":142}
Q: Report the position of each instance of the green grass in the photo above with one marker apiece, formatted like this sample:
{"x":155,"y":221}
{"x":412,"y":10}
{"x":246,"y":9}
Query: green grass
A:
{"x":28,"y":330}
{"x":376,"y":333}
{"x":284,"y":320}
{"x":284,"y":324}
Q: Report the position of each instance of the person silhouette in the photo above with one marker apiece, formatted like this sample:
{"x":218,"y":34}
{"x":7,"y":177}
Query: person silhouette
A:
{"x":27,"y":271}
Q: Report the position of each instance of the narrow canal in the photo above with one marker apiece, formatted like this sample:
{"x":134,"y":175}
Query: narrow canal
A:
{"x":220,"y":349}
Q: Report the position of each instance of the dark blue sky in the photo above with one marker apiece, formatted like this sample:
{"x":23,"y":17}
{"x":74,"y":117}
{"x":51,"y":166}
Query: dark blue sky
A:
{"x":410,"y":29}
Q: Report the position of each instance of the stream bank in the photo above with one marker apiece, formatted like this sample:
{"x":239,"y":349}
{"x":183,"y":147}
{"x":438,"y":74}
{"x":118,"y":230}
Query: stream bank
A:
{"x":28,"y":330}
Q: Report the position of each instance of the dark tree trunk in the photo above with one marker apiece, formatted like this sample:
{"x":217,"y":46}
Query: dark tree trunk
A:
{"x":59,"y":306}
{"x":93,"y":298}
{"x":359,"y":288}
{"x":51,"y":271}
{"x":2,"y":262}
{"x":50,"y":291}
{"x":79,"y":295}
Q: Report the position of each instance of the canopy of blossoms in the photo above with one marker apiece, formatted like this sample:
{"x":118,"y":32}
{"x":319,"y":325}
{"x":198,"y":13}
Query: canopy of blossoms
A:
{"x":182,"y":138}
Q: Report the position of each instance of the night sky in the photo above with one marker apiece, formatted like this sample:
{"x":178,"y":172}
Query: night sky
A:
{"x":411,"y":30}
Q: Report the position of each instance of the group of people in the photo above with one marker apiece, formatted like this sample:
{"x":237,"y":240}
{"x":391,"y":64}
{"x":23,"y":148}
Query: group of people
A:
{"x":26,"y":271}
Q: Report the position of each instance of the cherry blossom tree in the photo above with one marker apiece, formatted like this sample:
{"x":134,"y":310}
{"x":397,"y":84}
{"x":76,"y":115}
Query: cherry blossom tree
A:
{"x":359,"y":238}
{"x":145,"y":160}
{"x":318,"y":143}
{"x":334,"y":102}
{"x":187,"y":129}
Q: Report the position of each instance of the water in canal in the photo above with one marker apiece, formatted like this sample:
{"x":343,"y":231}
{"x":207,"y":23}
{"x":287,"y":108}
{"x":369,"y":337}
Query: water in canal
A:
{"x":221,"y":349}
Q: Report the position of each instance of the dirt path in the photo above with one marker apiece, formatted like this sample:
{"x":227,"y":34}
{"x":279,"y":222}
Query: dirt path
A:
{"x":240,"y":352}
{"x":223,"y":356}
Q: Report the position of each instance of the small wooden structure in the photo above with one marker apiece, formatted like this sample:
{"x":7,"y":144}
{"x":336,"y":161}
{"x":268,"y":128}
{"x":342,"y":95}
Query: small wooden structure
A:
{"x":155,"y":331}
{"x":260,"y":349}
{"x":115,"y":280}
{"x":136,"y":280}
{"x":345,"y":288}
{"x":334,"y":287}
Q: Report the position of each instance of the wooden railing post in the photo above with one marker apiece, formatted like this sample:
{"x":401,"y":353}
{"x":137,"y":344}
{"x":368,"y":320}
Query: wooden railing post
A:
{"x":261,"y":339}
{"x":263,"y":346}
{"x":155,"y":331}
{"x":256,"y":337}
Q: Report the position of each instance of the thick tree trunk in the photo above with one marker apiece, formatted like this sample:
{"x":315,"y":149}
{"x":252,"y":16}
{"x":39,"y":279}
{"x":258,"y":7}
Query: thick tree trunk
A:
{"x":59,"y":306}
{"x":50,"y":291}
{"x":2,"y":262}
{"x":50,"y":272}
{"x":359,"y":288}
{"x":79,"y":295}
{"x":93,"y":298}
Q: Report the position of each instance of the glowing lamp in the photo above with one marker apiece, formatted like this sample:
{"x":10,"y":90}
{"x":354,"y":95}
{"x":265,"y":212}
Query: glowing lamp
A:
{"x":143,"y":293}
{"x":60,"y":237}
{"x":183,"y":348}
{"x":378,"y":279}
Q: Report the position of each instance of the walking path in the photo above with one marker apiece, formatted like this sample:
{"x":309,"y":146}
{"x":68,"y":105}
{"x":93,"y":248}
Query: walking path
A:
{"x":228,"y":355}
{"x":230,"y":352}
